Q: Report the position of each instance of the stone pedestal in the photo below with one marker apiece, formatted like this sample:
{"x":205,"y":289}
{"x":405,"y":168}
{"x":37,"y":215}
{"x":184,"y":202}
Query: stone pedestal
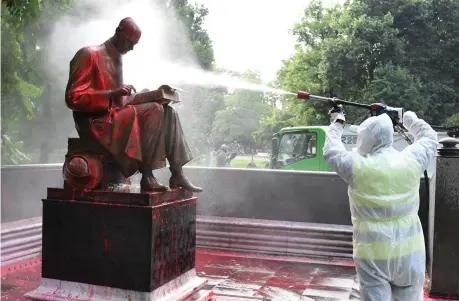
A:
{"x":444,"y":224}
{"x":121,"y":246}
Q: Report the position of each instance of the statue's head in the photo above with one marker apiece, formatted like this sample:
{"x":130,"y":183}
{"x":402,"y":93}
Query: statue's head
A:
{"x":127,"y":35}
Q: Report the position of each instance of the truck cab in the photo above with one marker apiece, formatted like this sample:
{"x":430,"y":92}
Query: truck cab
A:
{"x":301,"y":147}
{"x":298,"y":148}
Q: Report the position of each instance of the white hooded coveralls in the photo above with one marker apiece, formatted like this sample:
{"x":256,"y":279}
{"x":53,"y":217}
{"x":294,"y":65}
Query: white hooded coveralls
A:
{"x":388,"y":241}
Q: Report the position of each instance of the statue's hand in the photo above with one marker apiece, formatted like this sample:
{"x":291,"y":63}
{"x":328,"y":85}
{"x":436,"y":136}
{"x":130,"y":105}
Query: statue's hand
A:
{"x":124,"y":90}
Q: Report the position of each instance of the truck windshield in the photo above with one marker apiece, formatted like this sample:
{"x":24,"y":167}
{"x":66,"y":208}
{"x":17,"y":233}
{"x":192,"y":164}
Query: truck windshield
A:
{"x":296,"y":146}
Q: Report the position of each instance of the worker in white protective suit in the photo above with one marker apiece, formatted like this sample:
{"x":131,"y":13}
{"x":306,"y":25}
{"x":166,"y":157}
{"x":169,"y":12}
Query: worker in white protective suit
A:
{"x":388,"y":241}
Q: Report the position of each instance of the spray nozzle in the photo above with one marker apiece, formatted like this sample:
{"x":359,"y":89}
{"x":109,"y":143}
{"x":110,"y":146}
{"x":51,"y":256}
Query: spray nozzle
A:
{"x":303,"y":95}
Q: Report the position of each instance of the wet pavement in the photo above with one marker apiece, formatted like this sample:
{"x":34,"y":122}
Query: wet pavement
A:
{"x":235,"y":277}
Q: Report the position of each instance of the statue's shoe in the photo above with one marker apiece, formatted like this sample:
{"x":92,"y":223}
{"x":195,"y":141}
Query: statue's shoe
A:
{"x":151,"y":184}
{"x":180,"y":181}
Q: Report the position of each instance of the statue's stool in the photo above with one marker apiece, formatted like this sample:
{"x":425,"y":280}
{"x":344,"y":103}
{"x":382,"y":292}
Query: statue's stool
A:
{"x":105,"y":245}
{"x":89,"y":166}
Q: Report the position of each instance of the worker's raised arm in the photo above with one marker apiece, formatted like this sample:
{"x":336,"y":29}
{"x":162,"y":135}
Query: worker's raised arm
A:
{"x":425,"y":143}
{"x":335,"y":154}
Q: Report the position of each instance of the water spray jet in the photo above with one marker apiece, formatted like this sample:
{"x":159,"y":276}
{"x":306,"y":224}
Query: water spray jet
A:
{"x":186,"y":75}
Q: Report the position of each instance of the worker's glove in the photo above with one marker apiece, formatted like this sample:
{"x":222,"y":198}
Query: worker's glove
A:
{"x":393,"y":115}
{"x":337,"y":114}
{"x":408,"y":119}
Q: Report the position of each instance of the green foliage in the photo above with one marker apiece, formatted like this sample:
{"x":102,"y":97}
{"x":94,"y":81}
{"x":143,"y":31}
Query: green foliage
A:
{"x":400,"y":52}
{"x":241,"y":115}
{"x":192,"y":16}
{"x":199,"y":104}
{"x":397,"y":87}
{"x":11,"y":151}
{"x":453,"y":120}
{"x":23,"y":79}
{"x":16,"y":93}
{"x":271,"y":124}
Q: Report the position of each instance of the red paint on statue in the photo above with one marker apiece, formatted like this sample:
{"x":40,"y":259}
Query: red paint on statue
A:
{"x":94,"y":92}
{"x":83,"y":171}
{"x":139,"y":132}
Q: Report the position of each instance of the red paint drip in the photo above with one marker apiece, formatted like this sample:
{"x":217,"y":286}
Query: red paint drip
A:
{"x":105,"y":244}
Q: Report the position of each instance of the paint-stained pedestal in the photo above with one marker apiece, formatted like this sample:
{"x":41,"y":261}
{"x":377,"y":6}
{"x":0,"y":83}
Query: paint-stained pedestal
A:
{"x":123,"y":246}
{"x":444,"y":224}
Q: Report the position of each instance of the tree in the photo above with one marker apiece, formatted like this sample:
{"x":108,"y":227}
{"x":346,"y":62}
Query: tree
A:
{"x":199,"y":104}
{"x":302,"y":71}
{"x":23,"y":23}
{"x":396,"y":51}
{"x":397,"y":87}
{"x":241,"y":115}
{"x":192,"y":17}
{"x":271,"y":124}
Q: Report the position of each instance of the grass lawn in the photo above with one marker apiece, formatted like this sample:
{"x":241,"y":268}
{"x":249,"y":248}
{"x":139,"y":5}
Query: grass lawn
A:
{"x":243,"y":161}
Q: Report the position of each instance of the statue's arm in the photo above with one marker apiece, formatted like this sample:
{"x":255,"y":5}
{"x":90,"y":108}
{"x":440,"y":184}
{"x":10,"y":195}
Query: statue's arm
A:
{"x":80,"y":94}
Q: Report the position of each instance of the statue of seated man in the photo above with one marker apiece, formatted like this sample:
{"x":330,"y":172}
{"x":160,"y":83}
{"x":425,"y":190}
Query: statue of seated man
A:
{"x":139,"y":136}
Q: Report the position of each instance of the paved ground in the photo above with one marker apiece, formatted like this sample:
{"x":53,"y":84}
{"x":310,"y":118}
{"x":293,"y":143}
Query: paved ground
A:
{"x":235,"y":277}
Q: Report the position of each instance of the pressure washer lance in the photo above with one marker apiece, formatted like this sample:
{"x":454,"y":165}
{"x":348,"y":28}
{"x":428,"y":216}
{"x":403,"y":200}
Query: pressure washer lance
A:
{"x":395,"y":114}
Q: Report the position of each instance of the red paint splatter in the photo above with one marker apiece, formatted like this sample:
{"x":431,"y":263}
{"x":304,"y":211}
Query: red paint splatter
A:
{"x":238,"y":267}
{"x":105,"y":244}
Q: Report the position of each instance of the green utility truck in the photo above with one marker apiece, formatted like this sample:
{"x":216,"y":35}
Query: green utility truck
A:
{"x":301,"y":147}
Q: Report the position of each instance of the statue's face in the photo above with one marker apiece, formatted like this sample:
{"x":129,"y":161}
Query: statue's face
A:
{"x":127,"y":43}
{"x":128,"y":37}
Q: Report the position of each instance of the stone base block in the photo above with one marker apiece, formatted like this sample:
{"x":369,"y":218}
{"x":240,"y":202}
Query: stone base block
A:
{"x":179,"y":289}
{"x":110,"y":242}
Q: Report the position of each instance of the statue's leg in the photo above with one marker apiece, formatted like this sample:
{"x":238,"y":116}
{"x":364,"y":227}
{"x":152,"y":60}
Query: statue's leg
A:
{"x":152,"y":143}
{"x":178,"y":152}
